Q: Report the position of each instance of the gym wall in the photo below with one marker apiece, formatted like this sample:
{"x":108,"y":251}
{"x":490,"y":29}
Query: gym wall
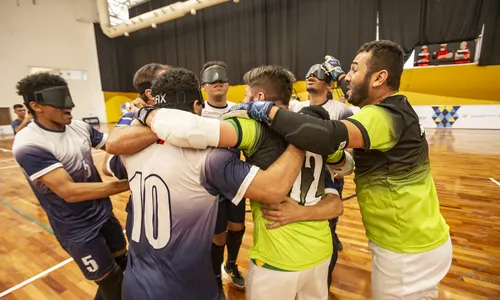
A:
{"x":47,"y":35}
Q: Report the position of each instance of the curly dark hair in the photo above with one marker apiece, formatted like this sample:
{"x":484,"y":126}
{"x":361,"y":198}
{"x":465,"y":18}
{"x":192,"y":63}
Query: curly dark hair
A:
{"x":176,"y":80}
{"x":274,"y":81}
{"x":37,"y":82}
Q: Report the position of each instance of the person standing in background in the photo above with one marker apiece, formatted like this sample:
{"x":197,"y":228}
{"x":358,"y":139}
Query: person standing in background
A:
{"x":318,"y":85}
{"x":230,"y":225}
{"x":23,"y":118}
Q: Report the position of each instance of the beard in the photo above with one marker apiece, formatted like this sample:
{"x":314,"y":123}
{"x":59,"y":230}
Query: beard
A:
{"x":312,"y":90}
{"x":359,"y":93}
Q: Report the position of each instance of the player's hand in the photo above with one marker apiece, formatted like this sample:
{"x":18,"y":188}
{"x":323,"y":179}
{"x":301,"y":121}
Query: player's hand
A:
{"x":257,"y":110}
{"x":142,"y":114}
{"x":333,"y":67}
{"x":286,"y":212}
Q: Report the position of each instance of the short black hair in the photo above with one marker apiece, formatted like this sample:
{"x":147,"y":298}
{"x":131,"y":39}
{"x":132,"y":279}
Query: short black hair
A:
{"x":275,"y":81}
{"x":209,"y":64}
{"x":148,"y":73}
{"x":176,"y":80}
{"x":37,"y":82}
{"x":386,"y":55}
{"x":17,"y":106}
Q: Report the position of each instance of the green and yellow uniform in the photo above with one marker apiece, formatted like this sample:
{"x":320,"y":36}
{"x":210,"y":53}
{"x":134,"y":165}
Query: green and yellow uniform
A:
{"x":396,"y":193}
{"x":296,"y":246}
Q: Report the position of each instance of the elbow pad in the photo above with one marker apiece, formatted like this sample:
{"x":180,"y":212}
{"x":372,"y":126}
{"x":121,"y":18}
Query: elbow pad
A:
{"x":344,"y":170}
{"x":185,"y":129}
{"x":312,"y":134}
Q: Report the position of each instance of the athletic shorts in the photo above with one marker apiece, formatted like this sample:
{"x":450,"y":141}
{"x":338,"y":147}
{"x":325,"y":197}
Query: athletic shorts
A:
{"x":229,"y":212}
{"x":94,"y":256}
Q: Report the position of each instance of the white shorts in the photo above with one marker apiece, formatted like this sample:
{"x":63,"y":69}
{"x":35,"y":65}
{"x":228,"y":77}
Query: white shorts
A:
{"x":409,"y":276}
{"x":310,"y":284}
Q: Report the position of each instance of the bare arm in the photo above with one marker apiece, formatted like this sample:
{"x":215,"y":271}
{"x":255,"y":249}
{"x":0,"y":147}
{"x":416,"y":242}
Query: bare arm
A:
{"x":290,"y":211}
{"x":272,"y":185}
{"x":24,"y":123}
{"x":129,"y":139}
{"x":61,"y":183}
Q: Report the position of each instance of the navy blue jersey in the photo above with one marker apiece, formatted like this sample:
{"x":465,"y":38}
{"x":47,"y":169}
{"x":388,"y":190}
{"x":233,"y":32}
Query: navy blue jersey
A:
{"x":39,"y":150}
{"x":175,"y":192}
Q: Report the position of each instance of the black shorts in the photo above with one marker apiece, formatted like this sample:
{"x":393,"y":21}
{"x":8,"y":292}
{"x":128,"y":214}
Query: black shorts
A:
{"x":94,"y":256}
{"x":229,"y":212}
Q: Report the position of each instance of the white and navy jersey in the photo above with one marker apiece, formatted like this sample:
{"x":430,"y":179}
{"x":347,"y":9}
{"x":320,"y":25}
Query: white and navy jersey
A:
{"x":175,"y":192}
{"x":39,"y":150}
{"x":215,"y":112}
{"x":336,"y":109}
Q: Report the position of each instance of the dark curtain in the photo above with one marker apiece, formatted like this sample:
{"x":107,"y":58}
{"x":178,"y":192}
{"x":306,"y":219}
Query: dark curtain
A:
{"x":419,"y":22}
{"x":400,"y":21}
{"x":293,"y":33}
{"x":490,"y":54}
{"x":451,"y":21}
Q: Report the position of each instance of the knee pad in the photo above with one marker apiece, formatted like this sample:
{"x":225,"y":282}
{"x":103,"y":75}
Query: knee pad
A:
{"x":111,"y":286}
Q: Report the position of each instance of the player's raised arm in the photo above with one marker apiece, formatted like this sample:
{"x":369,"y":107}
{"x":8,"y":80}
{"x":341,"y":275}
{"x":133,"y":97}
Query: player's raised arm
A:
{"x":125,"y":139}
{"x":185,"y":129}
{"x":226,"y":174}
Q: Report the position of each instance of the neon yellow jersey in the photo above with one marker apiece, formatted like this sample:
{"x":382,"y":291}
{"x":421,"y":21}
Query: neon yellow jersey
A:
{"x":293,"y":247}
{"x":395,"y":190}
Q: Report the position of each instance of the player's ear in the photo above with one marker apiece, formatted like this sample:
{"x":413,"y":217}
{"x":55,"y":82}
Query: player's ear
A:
{"x":197,"y":108}
{"x":379,"y":78}
{"x":203,"y":86}
{"x":261,"y":96}
{"x":148,"y":94}
{"x":35,"y":106}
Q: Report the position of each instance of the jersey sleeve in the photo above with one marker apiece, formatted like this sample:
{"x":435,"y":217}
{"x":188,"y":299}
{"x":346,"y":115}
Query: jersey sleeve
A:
{"x":330,"y":186}
{"x":345,"y":113}
{"x":380,"y":127}
{"x":115,"y":166}
{"x":36,"y":161}
{"x":248,"y":131}
{"x":336,"y":157}
{"x":126,"y":119}
{"x":224,"y":173}
{"x":97,"y":138}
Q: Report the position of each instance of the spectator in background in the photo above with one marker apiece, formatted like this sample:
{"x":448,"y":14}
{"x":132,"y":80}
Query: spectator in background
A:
{"x":23,"y":118}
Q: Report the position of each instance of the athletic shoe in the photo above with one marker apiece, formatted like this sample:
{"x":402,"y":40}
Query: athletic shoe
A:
{"x":232,"y":270}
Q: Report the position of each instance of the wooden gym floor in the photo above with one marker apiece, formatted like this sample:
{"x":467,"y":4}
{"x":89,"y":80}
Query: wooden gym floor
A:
{"x":465,"y":166}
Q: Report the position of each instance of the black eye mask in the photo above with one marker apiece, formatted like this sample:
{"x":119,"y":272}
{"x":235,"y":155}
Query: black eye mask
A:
{"x":214,"y":74}
{"x":319,"y":73}
{"x":58,"y":97}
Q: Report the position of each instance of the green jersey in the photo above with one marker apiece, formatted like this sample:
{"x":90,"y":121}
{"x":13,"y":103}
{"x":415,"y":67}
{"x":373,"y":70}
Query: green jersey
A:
{"x":396,"y":193}
{"x":296,"y":246}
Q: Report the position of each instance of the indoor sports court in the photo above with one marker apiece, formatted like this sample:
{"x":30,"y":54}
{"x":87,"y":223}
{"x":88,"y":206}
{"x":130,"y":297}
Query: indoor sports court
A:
{"x":450,"y":51}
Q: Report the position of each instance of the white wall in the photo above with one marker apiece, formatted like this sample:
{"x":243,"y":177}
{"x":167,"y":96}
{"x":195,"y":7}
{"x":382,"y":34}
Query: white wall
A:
{"x":49,"y":35}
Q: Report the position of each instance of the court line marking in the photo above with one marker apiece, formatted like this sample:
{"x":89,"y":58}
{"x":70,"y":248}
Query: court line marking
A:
{"x":6,"y":160}
{"x":493,"y":179}
{"x":20,"y":285}
{"x":9,"y":167}
{"x":39,"y":275}
{"x":25,"y":215}
{"x":5,"y":150}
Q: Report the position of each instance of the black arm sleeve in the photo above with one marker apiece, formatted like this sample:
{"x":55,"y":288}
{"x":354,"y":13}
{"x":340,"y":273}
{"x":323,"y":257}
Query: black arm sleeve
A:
{"x":343,"y":86}
{"x":309,"y":133}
